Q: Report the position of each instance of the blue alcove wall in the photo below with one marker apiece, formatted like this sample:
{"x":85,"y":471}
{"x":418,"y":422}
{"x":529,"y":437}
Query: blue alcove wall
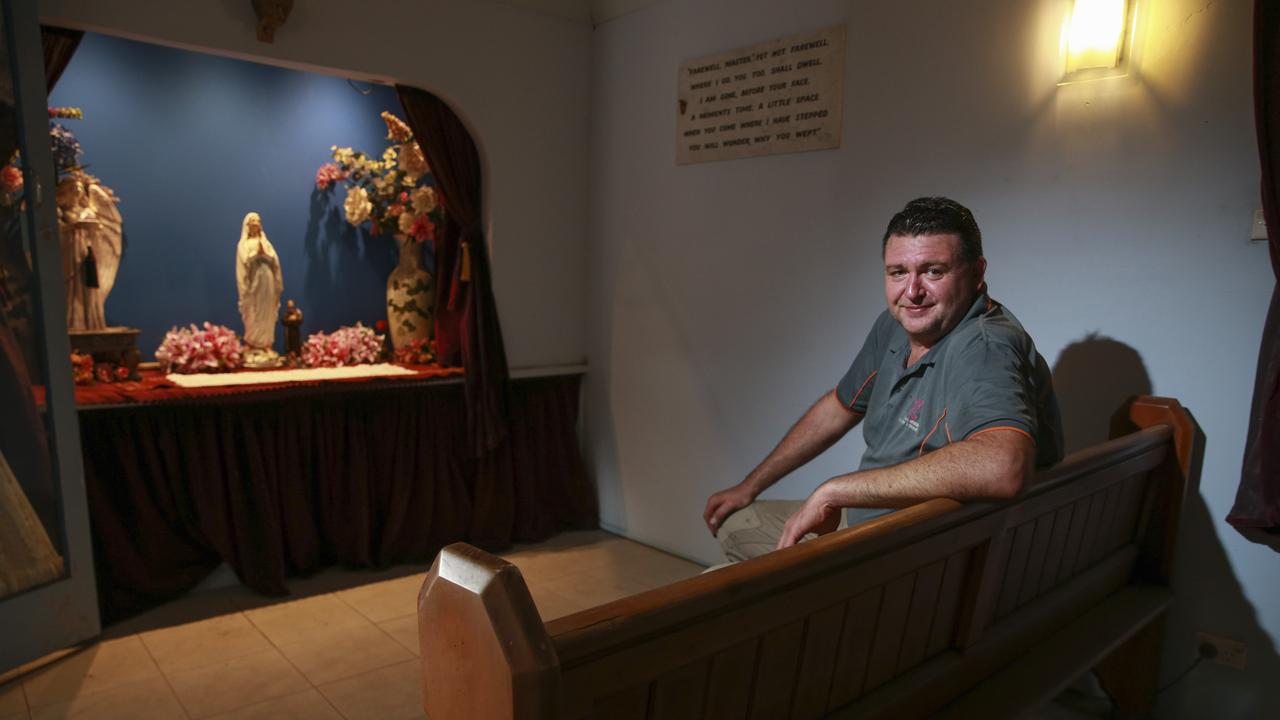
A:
{"x":190,"y":143}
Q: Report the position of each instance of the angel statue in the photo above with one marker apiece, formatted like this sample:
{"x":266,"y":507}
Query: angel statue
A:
{"x":89,"y":226}
{"x":261,"y":283}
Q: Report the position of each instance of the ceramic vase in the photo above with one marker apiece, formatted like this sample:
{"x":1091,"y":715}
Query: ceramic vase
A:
{"x":409,"y":293}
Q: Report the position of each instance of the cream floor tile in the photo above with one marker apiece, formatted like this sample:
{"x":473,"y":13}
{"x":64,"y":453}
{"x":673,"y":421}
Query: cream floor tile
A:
{"x":236,"y":683}
{"x":306,"y":705}
{"x":590,"y":591}
{"x":385,"y":600}
{"x":149,"y":699}
{"x":12,"y":700}
{"x":392,"y":693}
{"x":295,"y":620}
{"x":651,"y":570}
{"x":334,"y":653}
{"x":100,"y":667}
{"x":188,"y":608}
{"x":205,"y":642}
{"x":552,"y":604}
{"x":404,"y":630}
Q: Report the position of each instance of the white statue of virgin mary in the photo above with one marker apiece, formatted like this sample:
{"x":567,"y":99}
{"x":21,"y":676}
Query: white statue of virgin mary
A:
{"x":261,"y":283}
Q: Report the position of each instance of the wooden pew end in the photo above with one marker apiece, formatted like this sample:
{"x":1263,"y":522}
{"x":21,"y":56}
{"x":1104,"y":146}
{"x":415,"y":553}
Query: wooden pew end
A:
{"x":483,"y":641}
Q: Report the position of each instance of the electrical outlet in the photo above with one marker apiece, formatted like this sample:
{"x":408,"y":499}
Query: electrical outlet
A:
{"x":1223,"y":651}
{"x":1259,"y":229}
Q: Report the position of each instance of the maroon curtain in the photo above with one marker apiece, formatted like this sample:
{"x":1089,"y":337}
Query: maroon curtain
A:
{"x":283,"y":486}
{"x":59,"y":44}
{"x":1258,"y":499}
{"x":466,"y":315}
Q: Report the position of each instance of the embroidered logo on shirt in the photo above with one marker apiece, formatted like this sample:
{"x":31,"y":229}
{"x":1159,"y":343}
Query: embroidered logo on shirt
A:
{"x":912,"y":420}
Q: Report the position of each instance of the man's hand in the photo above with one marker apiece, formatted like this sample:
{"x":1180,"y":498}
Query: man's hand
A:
{"x":817,"y":515}
{"x":725,"y":503}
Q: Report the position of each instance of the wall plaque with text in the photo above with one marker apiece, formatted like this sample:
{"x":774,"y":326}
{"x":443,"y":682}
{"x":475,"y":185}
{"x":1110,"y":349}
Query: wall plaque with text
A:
{"x":775,"y":97}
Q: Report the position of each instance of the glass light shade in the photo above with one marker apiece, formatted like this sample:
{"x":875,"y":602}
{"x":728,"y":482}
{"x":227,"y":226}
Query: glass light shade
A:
{"x":1095,"y":34}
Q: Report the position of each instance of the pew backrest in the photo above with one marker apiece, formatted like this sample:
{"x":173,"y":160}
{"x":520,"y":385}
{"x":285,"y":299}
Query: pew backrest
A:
{"x":895,"y":617}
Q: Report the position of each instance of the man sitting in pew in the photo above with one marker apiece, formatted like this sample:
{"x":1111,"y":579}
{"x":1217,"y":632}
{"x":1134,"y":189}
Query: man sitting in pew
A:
{"x":956,"y":399}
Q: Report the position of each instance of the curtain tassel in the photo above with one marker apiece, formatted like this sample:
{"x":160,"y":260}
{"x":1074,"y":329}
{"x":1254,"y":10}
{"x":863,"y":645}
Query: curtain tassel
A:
{"x":465,"y":274}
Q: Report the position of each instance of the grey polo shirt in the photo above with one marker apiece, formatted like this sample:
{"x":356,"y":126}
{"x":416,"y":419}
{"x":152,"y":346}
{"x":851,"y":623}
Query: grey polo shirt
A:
{"x":983,"y":375}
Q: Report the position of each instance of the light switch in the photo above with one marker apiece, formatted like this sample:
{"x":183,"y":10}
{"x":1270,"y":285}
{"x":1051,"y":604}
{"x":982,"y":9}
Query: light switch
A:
{"x":1259,"y":231}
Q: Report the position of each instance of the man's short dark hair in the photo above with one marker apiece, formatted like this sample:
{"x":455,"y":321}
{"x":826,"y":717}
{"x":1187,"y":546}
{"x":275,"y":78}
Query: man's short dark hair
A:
{"x":937,"y":216}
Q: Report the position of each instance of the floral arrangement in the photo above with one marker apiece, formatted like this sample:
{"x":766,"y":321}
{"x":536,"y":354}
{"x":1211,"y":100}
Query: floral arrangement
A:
{"x":348,"y":345}
{"x":86,"y":371}
{"x":215,"y":348}
{"x":391,"y":192}
{"x":418,"y":352}
{"x":81,"y":368}
{"x":66,"y":154}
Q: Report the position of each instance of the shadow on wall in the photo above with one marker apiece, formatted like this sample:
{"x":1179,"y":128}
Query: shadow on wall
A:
{"x":335,"y":250}
{"x":1092,"y":377}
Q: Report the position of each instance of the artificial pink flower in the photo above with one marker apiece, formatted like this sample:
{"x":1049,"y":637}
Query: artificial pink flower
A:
{"x":191,"y":350}
{"x":328,"y":174}
{"x":345,"y":346}
{"x":423,"y":229}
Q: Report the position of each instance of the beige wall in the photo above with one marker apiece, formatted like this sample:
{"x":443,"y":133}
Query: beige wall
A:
{"x":726,"y":297}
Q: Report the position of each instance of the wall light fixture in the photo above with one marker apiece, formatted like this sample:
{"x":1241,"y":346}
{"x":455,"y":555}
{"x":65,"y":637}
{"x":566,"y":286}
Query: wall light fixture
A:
{"x":1097,"y":39}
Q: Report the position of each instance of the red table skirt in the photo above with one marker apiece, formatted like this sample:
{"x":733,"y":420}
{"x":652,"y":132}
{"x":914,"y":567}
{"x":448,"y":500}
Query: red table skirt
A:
{"x":283,"y":481}
{"x":153,"y":387}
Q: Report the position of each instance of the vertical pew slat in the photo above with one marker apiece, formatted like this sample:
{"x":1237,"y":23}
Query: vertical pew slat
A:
{"x":860,"y":620}
{"x":680,"y":694}
{"x":730,"y":675}
{"x":822,"y":640}
{"x":1036,"y":559}
{"x":1016,"y":567}
{"x":775,"y":676}
{"x":1057,"y":549}
{"x":893,"y":621}
{"x":1091,"y":531}
{"x":1075,"y":538}
{"x":1110,"y":504}
{"x":942,"y":630}
{"x":924,"y":602}
{"x":629,"y":704}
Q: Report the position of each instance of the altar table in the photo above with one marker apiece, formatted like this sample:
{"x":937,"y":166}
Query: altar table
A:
{"x":283,"y":480}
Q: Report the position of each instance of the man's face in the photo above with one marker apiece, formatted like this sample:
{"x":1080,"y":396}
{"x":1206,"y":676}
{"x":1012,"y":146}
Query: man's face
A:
{"x":928,"y":285}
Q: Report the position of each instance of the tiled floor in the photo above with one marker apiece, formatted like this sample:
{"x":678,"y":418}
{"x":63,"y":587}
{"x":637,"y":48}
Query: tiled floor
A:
{"x":344,"y":646}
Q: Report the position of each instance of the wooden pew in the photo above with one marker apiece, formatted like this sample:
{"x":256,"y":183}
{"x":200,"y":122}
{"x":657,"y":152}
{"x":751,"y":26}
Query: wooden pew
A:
{"x":978,"y":610}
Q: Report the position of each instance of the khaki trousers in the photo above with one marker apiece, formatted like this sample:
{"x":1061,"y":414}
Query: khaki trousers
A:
{"x":755,"y":529}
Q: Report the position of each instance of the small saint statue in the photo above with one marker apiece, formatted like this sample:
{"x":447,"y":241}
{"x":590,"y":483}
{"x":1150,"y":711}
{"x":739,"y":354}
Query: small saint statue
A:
{"x":292,"y":321}
{"x":260,"y":283}
{"x":89,"y":226}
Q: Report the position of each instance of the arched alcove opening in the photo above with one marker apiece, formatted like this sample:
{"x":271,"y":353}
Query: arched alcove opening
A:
{"x":191,"y":138}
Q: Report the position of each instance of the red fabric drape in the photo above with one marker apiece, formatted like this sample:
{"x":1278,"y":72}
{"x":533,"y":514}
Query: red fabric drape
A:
{"x":466,"y":315}
{"x":285,"y":485}
{"x":1258,"y":499}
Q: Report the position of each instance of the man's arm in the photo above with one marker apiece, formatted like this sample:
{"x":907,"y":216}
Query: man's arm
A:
{"x":818,"y":429}
{"x":992,"y":465}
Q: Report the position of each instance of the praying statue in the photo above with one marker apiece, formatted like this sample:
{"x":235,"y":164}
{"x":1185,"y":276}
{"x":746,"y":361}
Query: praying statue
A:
{"x":260,"y":283}
{"x":89,"y":228}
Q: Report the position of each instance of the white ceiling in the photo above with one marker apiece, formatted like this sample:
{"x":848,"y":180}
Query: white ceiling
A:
{"x":587,"y":12}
